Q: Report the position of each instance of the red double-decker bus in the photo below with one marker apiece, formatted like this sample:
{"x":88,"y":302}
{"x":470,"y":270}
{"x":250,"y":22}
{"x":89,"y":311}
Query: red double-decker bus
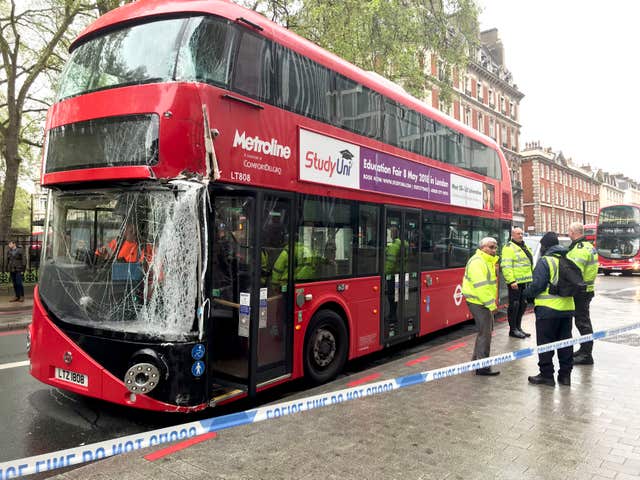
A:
{"x":618,"y":239}
{"x":232,"y":207}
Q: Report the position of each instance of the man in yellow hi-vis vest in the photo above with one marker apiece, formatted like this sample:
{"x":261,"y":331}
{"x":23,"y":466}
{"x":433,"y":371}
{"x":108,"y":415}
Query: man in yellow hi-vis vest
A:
{"x":553,"y":313}
{"x":480,"y":290}
{"x":584,"y":255}
{"x":516,"y":265}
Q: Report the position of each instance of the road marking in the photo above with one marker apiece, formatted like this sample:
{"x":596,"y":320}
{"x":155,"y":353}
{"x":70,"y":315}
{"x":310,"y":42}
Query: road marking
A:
{"x":4,"y":366}
{"x":616,"y":292}
{"x":413,"y":362}
{"x":366,"y":379}
{"x":152,"y":457}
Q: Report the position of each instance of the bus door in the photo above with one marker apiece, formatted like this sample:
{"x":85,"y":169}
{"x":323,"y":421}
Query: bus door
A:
{"x":401,"y":281}
{"x":249,"y":329}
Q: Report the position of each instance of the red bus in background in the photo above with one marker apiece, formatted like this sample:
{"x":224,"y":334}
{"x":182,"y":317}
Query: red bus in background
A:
{"x":281,"y":210}
{"x":590,"y":232}
{"x":618,"y":239}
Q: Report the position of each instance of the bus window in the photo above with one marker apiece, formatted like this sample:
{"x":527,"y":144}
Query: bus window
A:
{"x":368,"y":240}
{"x":325,"y":240}
{"x":305,"y":86}
{"x":206,"y":56}
{"x":358,"y":108}
{"x":253,"y":70}
{"x":458,"y":240}
{"x":434,"y":230}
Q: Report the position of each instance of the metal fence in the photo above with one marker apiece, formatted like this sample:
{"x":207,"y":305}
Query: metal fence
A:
{"x":31,"y":246}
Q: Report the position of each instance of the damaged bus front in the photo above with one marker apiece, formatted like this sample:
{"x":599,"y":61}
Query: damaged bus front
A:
{"x":119,"y":309}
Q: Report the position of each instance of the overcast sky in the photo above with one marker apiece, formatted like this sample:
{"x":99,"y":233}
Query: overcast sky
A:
{"x":577,"y":64}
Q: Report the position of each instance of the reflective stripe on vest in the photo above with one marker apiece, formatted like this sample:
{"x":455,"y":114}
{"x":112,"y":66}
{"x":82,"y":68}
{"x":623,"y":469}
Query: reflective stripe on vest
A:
{"x":555,"y":302}
{"x":469,"y":288}
{"x":518,"y":264}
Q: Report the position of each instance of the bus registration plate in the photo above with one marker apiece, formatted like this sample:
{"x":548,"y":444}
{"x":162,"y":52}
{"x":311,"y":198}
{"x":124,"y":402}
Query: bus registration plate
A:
{"x":72,"y":377}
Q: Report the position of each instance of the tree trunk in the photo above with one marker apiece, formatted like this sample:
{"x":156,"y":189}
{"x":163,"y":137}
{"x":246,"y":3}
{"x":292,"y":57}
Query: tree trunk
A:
{"x":10,"y":182}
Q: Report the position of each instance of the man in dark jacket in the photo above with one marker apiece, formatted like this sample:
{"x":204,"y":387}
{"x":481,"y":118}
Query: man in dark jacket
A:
{"x":16,"y":266}
{"x":553,"y":313}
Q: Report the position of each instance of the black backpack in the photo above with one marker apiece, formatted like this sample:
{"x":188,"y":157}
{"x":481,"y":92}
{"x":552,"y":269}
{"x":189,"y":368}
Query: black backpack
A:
{"x":570,"y":281}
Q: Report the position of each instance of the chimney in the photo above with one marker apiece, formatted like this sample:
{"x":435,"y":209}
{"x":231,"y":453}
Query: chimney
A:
{"x":490,"y":39}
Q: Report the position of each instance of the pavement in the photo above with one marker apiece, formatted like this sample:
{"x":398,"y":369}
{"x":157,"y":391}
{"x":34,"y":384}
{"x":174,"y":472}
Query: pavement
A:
{"x":12,"y":314}
{"x":460,"y":427}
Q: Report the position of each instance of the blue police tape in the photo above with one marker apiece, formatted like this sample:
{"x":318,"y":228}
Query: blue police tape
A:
{"x":76,"y":456}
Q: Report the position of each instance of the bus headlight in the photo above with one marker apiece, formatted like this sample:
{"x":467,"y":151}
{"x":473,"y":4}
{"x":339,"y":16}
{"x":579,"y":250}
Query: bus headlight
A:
{"x":145,"y":372}
{"x":142,"y":378}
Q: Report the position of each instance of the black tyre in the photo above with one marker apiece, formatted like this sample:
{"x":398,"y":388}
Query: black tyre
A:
{"x":627,"y":273}
{"x":325,"y":346}
{"x":606,"y":272}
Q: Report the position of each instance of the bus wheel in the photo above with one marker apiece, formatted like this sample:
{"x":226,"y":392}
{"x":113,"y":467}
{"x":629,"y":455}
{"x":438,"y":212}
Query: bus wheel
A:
{"x":606,"y":272}
{"x":627,"y":273}
{"x":325,"y":346}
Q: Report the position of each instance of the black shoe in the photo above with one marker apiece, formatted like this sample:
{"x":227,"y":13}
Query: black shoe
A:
{"x":526,"y":334}
{"x":517,"y":334}
{"x":487,"y":372}
{"x":583,"y":359}
{"x":564,"y":380}
{"x":540,"y":380}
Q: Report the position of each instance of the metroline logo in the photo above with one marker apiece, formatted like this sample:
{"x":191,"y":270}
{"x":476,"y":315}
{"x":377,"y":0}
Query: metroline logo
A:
{"x":258,"y":145}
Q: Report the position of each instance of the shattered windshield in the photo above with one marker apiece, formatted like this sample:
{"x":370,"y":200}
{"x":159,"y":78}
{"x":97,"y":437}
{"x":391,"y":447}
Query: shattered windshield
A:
{"x":140,"y":54}
{"x":124,"y":260}
{"x":188,"y":49}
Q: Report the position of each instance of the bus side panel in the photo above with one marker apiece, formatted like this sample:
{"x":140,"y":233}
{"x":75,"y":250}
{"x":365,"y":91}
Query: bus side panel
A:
{"x":359,"y":298}
{"x":441,"y":300}
{"x":255,"y":146}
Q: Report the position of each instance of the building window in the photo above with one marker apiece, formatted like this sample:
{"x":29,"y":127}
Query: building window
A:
{"x":492,"y":128}
{"x":480,"y":122}
{"x":479,"y":91}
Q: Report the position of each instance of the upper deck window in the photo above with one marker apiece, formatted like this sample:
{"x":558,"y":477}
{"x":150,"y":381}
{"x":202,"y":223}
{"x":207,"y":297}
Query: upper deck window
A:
{"x":139,"y":54}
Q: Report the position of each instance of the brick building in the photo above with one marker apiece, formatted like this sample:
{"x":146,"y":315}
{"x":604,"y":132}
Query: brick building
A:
{"x":487,"y":99}
{"x":556,"y":192}
{"x":610,"y":192}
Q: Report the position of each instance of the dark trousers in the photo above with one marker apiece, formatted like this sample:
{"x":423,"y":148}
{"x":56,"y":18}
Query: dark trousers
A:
{"x":583,"y":319}
{"x":18,"y":288}
{"x":517,"y":306}
{"x":484,"y":321}
{"x":551,"y":330}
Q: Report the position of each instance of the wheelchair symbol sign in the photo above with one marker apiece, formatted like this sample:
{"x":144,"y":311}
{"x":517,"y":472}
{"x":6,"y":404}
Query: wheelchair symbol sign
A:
{"x":197,"y":352}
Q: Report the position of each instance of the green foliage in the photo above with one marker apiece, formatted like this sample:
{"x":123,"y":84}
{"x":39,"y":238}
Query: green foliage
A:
{"x":394,"y":38}
{"x":21,"y":218}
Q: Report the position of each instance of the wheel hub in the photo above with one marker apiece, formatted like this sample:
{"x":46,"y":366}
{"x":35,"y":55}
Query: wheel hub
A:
{"x":324,"y":348}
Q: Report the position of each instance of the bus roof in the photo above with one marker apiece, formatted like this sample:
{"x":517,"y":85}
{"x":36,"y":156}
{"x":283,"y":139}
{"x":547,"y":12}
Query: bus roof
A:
{"x":146,"y":9}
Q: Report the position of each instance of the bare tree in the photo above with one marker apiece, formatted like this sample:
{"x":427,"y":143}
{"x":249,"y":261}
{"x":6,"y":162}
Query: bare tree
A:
{"x":32,"y":41}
